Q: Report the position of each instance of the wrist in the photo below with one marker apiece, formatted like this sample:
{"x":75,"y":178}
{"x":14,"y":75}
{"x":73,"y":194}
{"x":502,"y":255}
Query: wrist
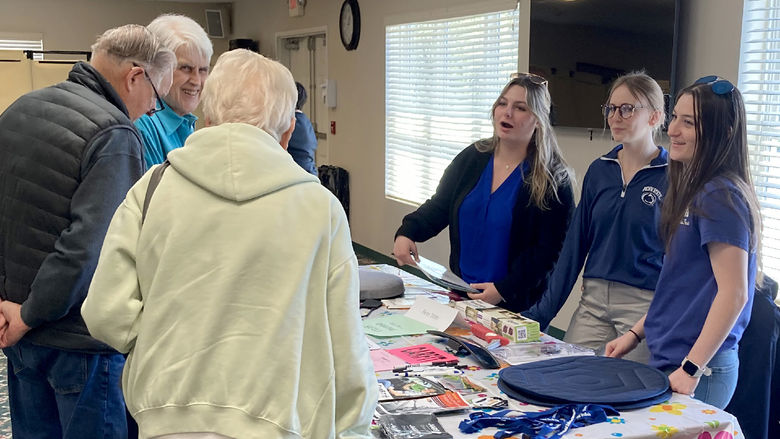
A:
{"x":636,"y":335}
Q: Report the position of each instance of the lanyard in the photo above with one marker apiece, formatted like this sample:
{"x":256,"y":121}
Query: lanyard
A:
{"x":549,"y":424}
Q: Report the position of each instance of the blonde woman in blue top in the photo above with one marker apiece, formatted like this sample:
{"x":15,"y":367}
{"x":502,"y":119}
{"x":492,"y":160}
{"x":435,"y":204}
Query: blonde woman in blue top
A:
{"x":507,"y":201}
{"x":711,"y":226}
{"x":615,"y":225}
{"x":165,"y":130}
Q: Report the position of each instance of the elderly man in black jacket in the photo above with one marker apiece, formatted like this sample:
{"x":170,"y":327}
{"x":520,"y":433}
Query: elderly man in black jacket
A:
{"x":68,"y":155}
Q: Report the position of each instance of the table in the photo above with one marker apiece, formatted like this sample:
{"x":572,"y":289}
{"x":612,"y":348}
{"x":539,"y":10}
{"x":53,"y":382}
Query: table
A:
{"x":681,"y":417}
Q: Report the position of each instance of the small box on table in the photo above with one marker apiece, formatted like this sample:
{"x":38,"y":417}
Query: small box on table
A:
{"x":513,"y":326}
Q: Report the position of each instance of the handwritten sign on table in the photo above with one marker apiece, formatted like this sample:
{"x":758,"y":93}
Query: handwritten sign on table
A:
{"x":423,"y":353}
{"x":425,"y":314}
{"x":432,"y":313}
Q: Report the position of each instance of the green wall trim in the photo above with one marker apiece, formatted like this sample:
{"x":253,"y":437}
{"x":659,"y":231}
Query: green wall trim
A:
{"x":384,"y":259}
{"x":555,"y":332}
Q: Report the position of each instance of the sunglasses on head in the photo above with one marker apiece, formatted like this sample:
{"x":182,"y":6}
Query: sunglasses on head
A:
{"x":533,"y":78}
{"x":718,"y":85}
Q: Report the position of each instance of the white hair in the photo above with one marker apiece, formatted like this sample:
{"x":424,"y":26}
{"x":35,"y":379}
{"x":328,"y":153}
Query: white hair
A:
{"x":246,"y":87}
{"x":136,"y":44}
{"x":177,"y":31}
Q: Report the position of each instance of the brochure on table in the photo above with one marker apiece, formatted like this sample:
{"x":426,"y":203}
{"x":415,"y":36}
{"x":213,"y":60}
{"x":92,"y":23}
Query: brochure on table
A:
{"x":425,"y":314}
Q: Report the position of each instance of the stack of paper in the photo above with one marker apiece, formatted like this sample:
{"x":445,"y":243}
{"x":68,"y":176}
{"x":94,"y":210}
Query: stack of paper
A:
{"x":439,"y":275}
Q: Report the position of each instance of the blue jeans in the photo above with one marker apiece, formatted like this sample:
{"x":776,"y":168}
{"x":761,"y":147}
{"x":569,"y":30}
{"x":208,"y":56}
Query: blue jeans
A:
{"x":717,"y":388}
{"x":60,"y":394}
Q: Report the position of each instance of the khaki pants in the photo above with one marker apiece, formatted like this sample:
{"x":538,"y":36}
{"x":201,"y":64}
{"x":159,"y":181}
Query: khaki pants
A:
{"x":607,"y":310}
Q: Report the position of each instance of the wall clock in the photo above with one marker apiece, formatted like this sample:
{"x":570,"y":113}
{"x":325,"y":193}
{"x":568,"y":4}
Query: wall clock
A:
{"x":349,"y":24}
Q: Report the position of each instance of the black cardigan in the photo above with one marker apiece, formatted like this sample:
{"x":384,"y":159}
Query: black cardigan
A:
{"x":536,"y":235}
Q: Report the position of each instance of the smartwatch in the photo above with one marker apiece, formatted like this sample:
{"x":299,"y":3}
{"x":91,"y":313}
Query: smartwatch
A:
{"x":693,"y":369}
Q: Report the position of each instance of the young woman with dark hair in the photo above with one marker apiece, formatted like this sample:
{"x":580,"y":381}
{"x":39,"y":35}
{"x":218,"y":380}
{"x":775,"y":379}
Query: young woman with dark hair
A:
{"x":711,"y":226}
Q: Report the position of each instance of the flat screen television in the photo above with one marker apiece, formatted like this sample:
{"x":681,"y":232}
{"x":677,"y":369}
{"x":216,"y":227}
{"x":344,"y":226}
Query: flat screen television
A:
{"x":581,"y":46}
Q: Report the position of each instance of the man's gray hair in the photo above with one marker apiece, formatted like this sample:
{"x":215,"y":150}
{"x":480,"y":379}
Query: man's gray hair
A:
{"x":177,"y":31}
{"x":246,"y":87}
{"x":136,"y":44}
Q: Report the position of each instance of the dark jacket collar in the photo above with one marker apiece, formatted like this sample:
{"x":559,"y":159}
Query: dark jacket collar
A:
{"x":86,"y":75}
{"x":660,"y":160}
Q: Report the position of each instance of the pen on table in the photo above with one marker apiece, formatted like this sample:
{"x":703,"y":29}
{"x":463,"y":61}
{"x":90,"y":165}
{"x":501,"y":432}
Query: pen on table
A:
{"x":432,"y":372}
{"x":450,"y":363}
{"x":429,"y":368}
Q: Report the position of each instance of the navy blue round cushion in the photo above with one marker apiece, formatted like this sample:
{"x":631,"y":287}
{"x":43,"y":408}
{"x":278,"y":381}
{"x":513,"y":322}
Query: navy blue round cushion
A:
{"x":585,"y":379}
{"x":551,"y":402}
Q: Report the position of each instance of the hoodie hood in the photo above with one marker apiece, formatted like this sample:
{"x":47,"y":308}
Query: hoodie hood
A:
{"x":237,"y":161}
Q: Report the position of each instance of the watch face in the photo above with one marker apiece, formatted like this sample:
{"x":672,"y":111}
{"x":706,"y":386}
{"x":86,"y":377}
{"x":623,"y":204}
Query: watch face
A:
{"x":690,"y":368}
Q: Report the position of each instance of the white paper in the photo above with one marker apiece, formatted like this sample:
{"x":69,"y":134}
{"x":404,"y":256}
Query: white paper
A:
{"x":439,"y":275}
{"x":432,"y":313}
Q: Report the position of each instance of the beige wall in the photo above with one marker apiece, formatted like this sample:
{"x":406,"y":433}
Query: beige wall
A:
{"x":710,"y":32}
{"x":358,"y":145}
{"x":75,"y":24}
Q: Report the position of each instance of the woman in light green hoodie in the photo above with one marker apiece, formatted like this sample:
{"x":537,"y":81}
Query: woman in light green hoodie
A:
{"x":237,"y":298}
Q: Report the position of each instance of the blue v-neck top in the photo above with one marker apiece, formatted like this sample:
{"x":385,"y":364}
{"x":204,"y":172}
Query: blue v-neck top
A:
{"x":485,"y":225}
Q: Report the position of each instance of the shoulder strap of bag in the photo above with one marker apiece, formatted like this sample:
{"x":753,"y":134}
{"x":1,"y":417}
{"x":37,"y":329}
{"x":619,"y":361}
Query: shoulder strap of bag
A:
{"x":153,"y":182}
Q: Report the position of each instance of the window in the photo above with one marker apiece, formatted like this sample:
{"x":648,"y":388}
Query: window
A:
{"x":14,"y":41}
{"x":441,"y":79}
{"x":759,"y":82}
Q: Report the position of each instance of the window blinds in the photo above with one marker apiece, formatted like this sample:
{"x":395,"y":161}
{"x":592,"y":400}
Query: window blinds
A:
{"x":759,"y":82}
{"x":441,"y":79}
{"x":8,"y":42}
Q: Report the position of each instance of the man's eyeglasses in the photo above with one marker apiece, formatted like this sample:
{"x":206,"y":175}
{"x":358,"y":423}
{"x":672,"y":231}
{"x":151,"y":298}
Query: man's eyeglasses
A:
{"x":533,"y":78}
{"x":718,"y":85}
{"x":625,"y":110}
{"x":159,"y":105}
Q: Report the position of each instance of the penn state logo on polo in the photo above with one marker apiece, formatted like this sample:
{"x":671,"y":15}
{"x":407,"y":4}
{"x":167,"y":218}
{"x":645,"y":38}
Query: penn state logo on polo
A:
{"x":651,"y":195}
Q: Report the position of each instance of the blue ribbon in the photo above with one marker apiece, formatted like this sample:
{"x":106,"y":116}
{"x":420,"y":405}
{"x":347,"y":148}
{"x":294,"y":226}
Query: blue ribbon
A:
{"x":549,"y":424}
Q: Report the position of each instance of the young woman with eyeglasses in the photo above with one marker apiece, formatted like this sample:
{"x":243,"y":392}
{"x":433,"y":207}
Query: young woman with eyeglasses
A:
{"x":615,"y":225}
{"x":711,"y":226}
{"x":507,"y":201}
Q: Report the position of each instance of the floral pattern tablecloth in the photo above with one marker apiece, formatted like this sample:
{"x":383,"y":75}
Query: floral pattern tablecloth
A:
{"x":682,"y":417}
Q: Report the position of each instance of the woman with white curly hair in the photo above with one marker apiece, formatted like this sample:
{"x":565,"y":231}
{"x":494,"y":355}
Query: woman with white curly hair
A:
{"x":236,"y":296}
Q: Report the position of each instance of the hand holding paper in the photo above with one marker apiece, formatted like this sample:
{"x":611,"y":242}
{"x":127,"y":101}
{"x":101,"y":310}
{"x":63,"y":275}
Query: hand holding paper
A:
{"x":443,"y":277}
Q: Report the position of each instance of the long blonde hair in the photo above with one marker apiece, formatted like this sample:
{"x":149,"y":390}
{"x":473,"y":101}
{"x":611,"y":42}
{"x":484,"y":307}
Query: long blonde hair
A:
{"x":548,"y":168}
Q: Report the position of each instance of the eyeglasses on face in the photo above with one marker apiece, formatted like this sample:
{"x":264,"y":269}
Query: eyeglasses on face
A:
{"x":625,"y":110}
{"x":159,"y":105}
{"x":533,"y":78}
{"x":718,"y":85}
